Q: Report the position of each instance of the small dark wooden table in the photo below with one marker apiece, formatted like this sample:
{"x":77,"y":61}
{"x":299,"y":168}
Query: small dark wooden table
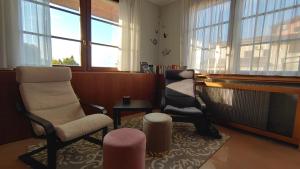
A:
{"x":134,"y":106}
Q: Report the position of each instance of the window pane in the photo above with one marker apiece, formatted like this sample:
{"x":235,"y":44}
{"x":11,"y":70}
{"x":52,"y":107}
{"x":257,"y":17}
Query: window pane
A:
{"x":31,"y":22}
{"x":105,"y":33}
{"x":36,"y":47}
{"x":108,"y":10}
{"x":201,"y":14}
{"x":260,"y":58}
{"x":248,"y":30}
{"x":289,"y":3}
{"x":103,"y":56}
{"x":274,"y":57}
{"x":291,"y":22}
{"x":206,"y":37}
{"x":259,"y":28}
{"x":267,"y":28}
{"x":212,"y":36}
{"x":208,"y":13}
{"x":277,"y":25}
{"x":200,"y":35}
{"x":66,"y":52}
{"x":226,"y":12}
{"x":245,"y":57}
{"x":216,"y":10}
{"x":276,"y":35}
{"x":262,"y":6}
{"x":292,"y":58}
{"x":224,"y":34}
{"x":281,"y":63}
{"x":249,"y":7}
{"x":64,"y":24}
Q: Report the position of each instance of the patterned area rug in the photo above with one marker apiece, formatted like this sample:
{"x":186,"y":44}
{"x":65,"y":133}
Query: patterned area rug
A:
{"x":188,"y":150}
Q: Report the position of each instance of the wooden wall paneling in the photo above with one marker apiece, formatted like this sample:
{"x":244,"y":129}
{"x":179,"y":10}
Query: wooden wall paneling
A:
{"x":13,"y":125}
{"x":296,"y":133}
{"x":108,"y":88}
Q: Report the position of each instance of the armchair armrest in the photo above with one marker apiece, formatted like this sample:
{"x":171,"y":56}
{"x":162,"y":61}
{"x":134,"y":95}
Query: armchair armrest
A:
{"x":201,"y":103}
{"x":95,"y":107}
{"x":48,"y":127}
{"x":163,"y":100}
{"x":98,"y":108}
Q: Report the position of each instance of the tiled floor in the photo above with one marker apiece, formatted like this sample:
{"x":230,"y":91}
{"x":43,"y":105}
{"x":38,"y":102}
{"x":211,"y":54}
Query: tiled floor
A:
{"x":247,"y":151}
{"x":242,"y":151}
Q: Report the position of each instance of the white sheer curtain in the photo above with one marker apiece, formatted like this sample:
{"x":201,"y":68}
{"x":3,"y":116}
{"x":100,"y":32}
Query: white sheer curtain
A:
{"x":204,"y":35}
{"x":268,"y":40}
{"x":10,"y":33}
{"x":263,"y":38}
{"x":25,"y":33}
{"x":130,"y":12}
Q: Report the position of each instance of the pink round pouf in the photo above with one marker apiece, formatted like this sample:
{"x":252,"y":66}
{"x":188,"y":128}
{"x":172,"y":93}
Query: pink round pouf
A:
{"x":124,"y":148}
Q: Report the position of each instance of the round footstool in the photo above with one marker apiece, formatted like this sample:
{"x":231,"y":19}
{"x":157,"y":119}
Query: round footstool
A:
{"x":124,"y":149}
{"x":158,"y":130}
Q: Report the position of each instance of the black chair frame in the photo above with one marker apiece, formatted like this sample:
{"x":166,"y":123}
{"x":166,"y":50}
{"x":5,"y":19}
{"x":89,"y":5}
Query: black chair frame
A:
{"x":53,"y":142}
{"x":200,"y":121}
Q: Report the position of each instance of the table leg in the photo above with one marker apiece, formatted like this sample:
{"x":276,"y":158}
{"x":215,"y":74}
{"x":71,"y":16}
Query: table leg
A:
{"x":115,"y":116}
{"x":119,"y":118}
{"x":149,"y":111}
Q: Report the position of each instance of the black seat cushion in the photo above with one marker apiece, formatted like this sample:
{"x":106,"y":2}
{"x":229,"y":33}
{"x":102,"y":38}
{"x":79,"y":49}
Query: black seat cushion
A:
{"x":180,"y":101}
{"x":182,"y":111}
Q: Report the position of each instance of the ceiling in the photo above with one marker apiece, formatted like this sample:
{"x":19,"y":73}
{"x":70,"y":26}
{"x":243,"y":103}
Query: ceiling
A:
{"x":161,"y":2}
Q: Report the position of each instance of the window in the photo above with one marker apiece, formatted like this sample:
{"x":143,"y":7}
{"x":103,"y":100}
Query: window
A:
{"x":77,"y":33}
{"x":36,"y":37}
{"x":267,"y":38}
{"x":245,"y":36}
{"x":211,"y":31}
{"x":65,"y":32}
{"x":106,"y":34}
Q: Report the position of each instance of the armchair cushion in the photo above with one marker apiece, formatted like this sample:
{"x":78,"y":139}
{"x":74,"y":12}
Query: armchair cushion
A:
{"x":43,"y":74}
{"x":47,"y":93}
{"x":54,"y":101}
{"x":181,"y":88}
{"x":82,"y":126}
{"x":180,"y":93}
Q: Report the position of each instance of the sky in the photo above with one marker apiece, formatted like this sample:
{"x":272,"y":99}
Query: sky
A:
{"x":68,"y":25}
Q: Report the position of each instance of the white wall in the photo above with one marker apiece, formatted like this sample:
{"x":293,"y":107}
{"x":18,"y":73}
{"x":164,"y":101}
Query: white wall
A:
{"x":167,"y":19}
{"x":149,"y":23}
{"x":170,"y":23}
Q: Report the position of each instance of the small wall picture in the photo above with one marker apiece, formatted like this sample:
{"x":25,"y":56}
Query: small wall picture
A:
{"x":144,"y":67}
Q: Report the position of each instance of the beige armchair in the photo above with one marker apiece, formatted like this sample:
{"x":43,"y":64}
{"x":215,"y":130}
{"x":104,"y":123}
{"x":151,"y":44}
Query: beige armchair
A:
{"x":55,"y":112}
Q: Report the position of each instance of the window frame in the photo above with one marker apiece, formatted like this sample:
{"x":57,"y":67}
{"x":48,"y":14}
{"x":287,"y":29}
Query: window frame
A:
{"x":90,"y":67}
{"x":85,"y":40}
{"x":210,"y":26}
{"x":75,"y":68}
{"x":81,"y":67}
{"x":255,"y":16}
{"x":235,"y":44}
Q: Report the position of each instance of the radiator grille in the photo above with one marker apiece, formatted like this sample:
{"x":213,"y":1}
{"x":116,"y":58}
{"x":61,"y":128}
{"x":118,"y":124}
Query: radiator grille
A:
{"x":246,"y":107}
{"x":273,"y":112}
